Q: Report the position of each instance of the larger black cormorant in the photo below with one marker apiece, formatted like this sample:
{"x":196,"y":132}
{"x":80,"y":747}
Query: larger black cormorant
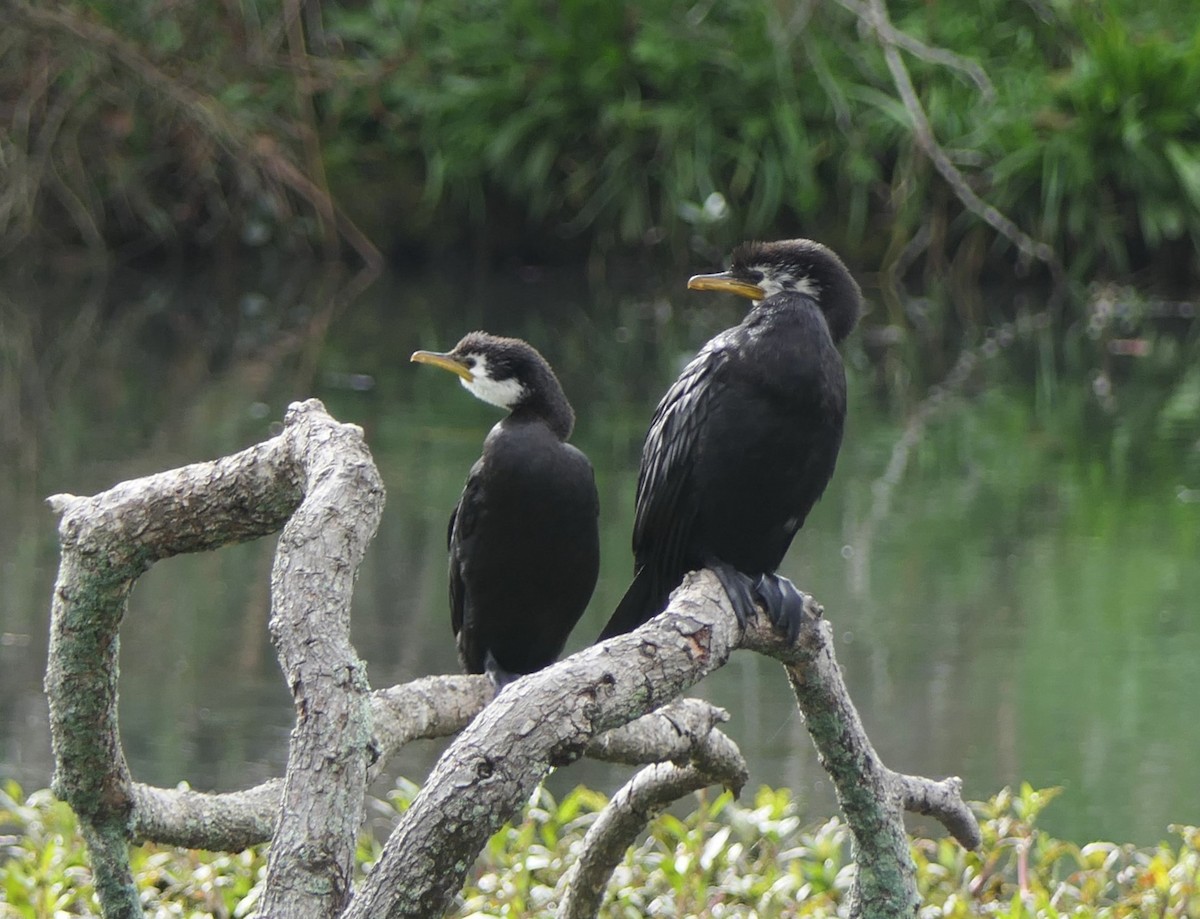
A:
{"x":524,"y":538}
{"x":744,"y":443}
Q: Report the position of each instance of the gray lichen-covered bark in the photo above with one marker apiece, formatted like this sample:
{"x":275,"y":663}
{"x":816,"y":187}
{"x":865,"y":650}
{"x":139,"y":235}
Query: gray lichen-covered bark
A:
{"x":430,"y":707}
{"x":108,"y":541}
{"x":228,"y":822}
{"x":316,"y":563}
{"x":646,"y":795}
{"x":872,"y":796}
{"x":548,"y":718}
{"x":542,"y":720}
{"x":427,"y":708}
{"x":675,"y":732}
{"x":111,"y":539}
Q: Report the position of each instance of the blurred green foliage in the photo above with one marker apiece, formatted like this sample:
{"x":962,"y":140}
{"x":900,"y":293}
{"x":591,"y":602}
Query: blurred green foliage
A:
{"x":617,"y":120}
{"x":1108,"y":167}
{"x":589,"y":126}
{"x":724,"y":858}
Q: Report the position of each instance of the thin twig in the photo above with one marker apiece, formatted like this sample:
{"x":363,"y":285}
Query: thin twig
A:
{"x":874,"y":14}
{"x":919,"y":49}
{"x":937,"y":398}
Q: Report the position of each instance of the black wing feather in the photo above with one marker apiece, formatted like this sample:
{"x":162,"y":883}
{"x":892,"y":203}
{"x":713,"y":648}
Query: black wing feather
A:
{"x":666,"y":506}
{"x":458,"y":534}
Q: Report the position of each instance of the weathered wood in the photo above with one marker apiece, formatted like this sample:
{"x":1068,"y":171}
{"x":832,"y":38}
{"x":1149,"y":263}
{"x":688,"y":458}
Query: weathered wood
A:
{"x":318,"y":478}
{"x":312,"y":583}
{"x":111,"y":539}
{"x":430,"y":707}
{"x":108,"y":541}
{"x":548,"y":718}
{"x":426,"y":708}
{"x":675,"y":732}
{"x":716,"y":760}
{"x":872,"y":796}
{"x":542,"y":720}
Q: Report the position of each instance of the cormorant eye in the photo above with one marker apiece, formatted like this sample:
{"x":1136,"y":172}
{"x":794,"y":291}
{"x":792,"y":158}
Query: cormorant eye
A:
{"x":470,"y":362}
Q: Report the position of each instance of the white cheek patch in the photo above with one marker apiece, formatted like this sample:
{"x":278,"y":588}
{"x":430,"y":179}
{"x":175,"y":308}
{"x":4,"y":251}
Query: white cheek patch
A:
{"x":773,"y":284}
{"x":501,"y":393}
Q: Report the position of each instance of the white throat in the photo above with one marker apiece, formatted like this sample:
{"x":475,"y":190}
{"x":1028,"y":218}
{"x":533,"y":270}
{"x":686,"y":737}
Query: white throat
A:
{"x":501,"y":393}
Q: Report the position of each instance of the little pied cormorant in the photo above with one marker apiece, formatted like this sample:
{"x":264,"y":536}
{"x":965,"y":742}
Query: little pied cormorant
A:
{"x":744,"y":443}
{"x":524,"y":538}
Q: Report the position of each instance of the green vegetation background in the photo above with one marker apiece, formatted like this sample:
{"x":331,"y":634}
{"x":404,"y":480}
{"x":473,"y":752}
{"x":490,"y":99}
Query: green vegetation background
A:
{"x":580,"y":127}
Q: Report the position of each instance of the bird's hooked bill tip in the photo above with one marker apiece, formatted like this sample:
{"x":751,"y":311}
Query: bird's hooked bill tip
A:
{"x":445,"y":361}
{"x":725,"y":282}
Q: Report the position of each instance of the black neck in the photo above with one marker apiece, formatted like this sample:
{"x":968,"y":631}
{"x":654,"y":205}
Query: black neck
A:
{"x":841,"y":309}
{"x":546,"y":402}
{"x":838,"y":294}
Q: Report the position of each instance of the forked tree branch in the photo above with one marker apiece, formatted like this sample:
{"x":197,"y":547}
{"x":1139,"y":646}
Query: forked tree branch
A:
{"x":488,"y":772}
{"x":310,"y":474}
{"x":108,"y":541}
{"x":872,"y":796}
{"x":425,"y":709}
{"x":545,"y":719}
{"x":634,"y":805}
{"x":316,"y":563}
{"x":428,"y":708}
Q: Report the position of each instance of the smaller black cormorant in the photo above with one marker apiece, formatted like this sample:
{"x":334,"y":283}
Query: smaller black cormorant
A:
{"x":744,"y":443}
{"x":524,"y":538}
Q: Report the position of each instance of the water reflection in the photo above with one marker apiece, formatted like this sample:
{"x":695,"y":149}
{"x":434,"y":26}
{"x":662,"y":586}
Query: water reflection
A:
{"x":1024,"y":612}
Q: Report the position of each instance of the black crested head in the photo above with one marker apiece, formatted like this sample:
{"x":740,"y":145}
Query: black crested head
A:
{"x":807,"y":267}
{"x":508,"y":373}
{"x":761,"y":270}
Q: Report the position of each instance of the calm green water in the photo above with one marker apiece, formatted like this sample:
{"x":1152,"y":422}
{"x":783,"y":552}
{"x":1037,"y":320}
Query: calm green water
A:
{"x":1026,"y":608}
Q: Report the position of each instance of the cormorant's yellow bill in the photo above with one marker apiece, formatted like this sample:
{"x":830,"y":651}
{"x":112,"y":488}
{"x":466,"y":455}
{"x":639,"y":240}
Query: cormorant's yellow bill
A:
{"x":445,"y":361}
{"x":725,"y":281}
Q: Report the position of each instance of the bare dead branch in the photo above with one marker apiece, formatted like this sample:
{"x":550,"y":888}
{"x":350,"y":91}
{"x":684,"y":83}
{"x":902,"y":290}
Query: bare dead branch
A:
{"x":717,"y":760}
{"x":434,"y":706}
{"x":938,"y":397}
{"x":428,"y":708}
{"x":871,"y":796}
{"x":675,"y":732}
{"x":550,"y":717}
{"x":542,"y":720}
{"x":316,"y":563}
{"x":918,"y":49}
{"x":108,"y":541}
{"x":228,"y":822}
{"x":943,"y":801}
{"x":111,"y":539}
{"x":431,"y":707}
{"x":318,"y":476}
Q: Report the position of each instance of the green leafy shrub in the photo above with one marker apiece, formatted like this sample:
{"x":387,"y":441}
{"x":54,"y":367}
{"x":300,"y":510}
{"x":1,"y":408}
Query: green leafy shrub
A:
{"x":613,"y":125}
{"x":1108,"y":167}
{"x":724,"y":858}
{"x":44,"y":869}
{"x":626,"y":122}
